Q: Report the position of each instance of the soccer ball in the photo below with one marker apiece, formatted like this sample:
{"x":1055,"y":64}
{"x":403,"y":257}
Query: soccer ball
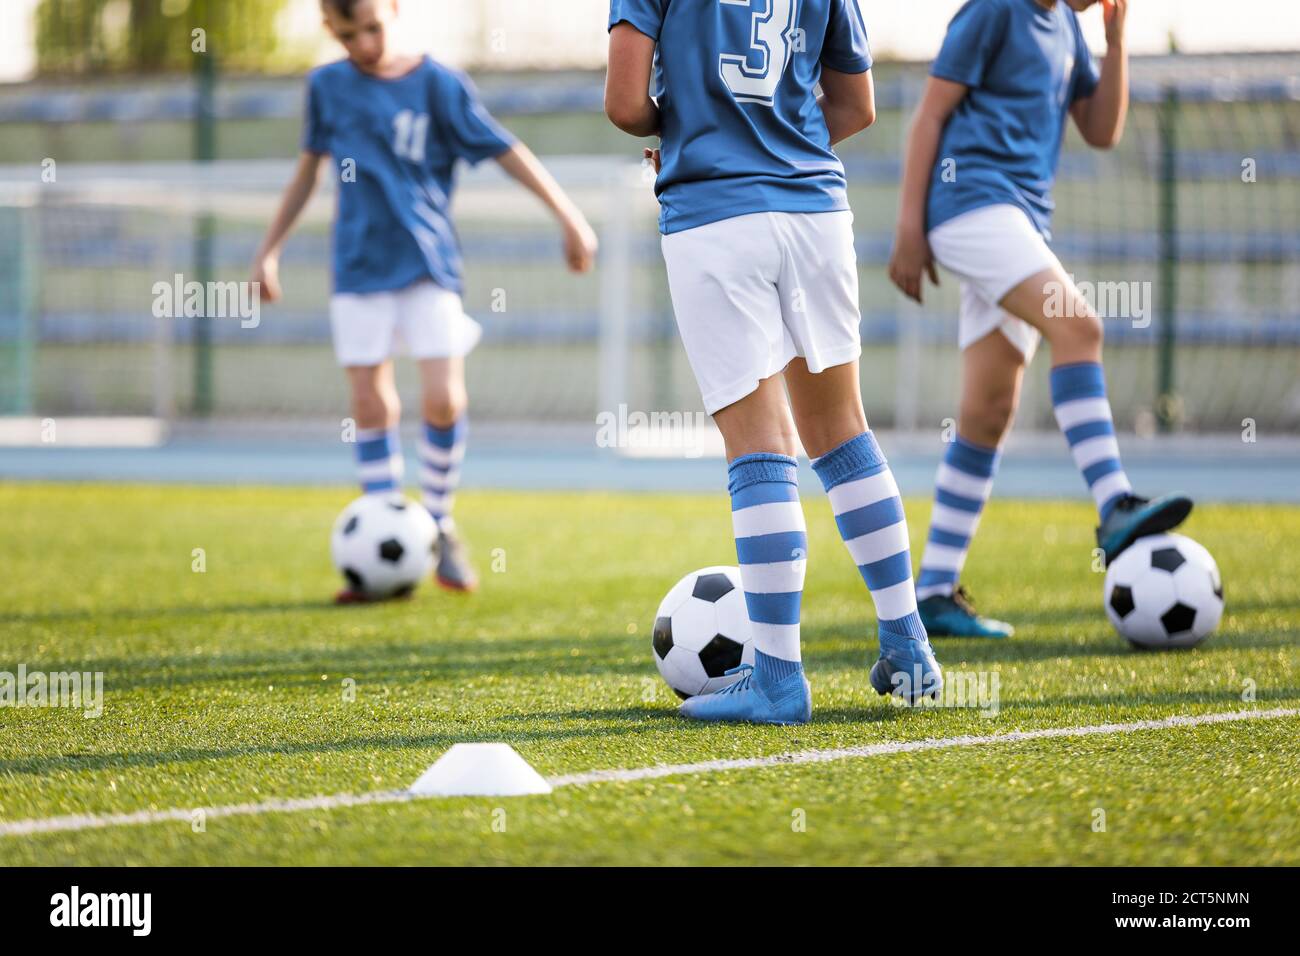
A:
{"x":702,"y":631}
{"x":1164,"y":591}
{"x":383,"y":545}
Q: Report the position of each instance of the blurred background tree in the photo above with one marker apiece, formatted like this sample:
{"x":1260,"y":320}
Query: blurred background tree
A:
{"x":158,"y":36}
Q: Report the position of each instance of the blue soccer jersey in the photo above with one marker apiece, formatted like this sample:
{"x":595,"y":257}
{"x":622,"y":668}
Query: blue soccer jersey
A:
{"x":396,"y":143}
{"x":735,"y":81}
{"x":1025,"y":66}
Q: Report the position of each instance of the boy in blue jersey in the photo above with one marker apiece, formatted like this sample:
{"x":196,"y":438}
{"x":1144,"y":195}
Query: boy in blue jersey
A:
{"x":976,"y":198}
{"x":396,"y":125}
{"x":758,"y":241}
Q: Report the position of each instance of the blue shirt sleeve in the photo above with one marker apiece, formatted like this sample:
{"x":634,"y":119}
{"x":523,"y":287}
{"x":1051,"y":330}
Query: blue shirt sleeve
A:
{"x":646,"y":15}
{"x":473,"y":132}
{"x":974,"y":37}
{"x":845,"y":48}
{"x":1086,"y":76}
{"x":315,"y":132}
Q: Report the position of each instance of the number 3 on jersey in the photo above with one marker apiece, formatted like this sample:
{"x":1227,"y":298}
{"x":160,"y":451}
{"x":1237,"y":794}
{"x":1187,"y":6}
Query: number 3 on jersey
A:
{"x":771,"y":37}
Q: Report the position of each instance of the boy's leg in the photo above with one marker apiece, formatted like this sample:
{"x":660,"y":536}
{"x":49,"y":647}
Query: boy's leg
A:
{"x":723,"y":279}
{"x":869,"y":512}
{"x":992,"y":372}
{"x":771,"y":546}
{"x":362,"y":327}
{"x":1050,"y":302}
{"x":443,"y":432}
{"x":376,"y":410}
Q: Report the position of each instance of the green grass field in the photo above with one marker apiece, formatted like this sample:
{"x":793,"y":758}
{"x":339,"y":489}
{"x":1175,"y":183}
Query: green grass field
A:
{"x":227,"y":686}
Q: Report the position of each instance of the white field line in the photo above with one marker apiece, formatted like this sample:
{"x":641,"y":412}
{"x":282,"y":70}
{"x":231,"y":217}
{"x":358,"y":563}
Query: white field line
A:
{"x":90,"y":821}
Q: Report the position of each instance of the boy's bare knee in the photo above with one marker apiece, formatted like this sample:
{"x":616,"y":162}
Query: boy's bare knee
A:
{"x":1082,"y":329}
{"x":823,"y":436}
{"x":443,"y":406}
{"x":830,"y":427}
{"x":1092,"y":332}
{"x":987,"y":421}
{"x":1080,"y":334}
{"x":373,"y":409}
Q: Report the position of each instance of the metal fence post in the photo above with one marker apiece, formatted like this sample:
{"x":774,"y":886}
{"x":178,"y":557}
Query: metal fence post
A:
{"x":205,"y":150}
{"x":1168,"y":410}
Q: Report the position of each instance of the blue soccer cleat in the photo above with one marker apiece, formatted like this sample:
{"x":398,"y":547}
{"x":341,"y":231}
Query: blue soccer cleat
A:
{"x":953,"y":615}
{"x":755,"y":699}
{"x":1133,"y":517}
{"x":906,"y":668}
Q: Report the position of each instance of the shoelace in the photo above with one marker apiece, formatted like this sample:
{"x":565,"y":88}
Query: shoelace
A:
{"x":964,"y":600}
{"x":743,"y":683}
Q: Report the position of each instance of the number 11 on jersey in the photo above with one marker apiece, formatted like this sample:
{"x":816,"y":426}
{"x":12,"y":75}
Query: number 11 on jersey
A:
{"x":771,"y":37}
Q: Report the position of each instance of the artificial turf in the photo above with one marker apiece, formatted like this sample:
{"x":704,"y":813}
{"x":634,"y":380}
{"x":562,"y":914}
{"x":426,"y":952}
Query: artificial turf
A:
{"x":233,"y":684}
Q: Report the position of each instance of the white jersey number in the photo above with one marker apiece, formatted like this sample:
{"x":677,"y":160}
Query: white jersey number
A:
{"x":410,"y":130}
{"x":772,"y":35}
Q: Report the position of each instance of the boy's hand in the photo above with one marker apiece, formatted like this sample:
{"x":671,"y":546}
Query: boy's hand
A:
{"x":910,"y":258}
{"x":580,"y":243}
{"x":266,"y":270}
{"x":1114,"y":13}
{"x":652,"y":156}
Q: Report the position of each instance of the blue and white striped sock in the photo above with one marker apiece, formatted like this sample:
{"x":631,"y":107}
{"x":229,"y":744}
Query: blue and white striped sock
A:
{"x":772,"y":546}
{"x":379,"y":460}
{"x":441,"y":452}
{"x":961,"y":488}
{"x":869,"y":513}
{"x":1083,"y":414}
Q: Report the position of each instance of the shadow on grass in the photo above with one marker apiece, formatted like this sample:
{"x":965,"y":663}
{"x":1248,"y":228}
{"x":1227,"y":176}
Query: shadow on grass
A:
{"x":614,"y":721}
{"x":1124,"y":702}
{"x":149,"y":613}
{"x":608,"y":722}
{"x":674,"y":721}
{"x":376,"y":664}
{"x":636,"y":720}
{"x":827,"y":644}
{"x":1078,"y":613}
{"x":608,"y":655}
{"x":1042,"y":617}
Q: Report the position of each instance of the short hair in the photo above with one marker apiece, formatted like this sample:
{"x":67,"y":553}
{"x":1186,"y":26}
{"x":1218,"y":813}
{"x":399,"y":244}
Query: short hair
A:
{"x":344,"y":8}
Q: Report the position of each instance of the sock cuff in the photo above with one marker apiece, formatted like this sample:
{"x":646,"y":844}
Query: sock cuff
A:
{"x":754,"y":469}
{"x":858,"y":457}
{"x":1077,"y":380}
{"x":377,"y":444}
{"x":776,"y":668}
{"x":973,"y":459}
{"x":446,"y":437}
{"x":376,"y":434}
{"x":907,"y":626}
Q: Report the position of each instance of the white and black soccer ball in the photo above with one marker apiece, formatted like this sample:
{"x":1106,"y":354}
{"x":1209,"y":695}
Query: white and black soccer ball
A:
{"x":383,"y":545}
{"x":1164,"y":591}
{"x":702,"y":631}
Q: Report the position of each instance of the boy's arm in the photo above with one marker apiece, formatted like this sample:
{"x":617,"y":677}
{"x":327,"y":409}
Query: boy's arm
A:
{"x":848,"y":102}
{"x":627,"y":84}
{"x":911,"y":255}
{"x":579,"y":239}
{"x":266,"y":265}
{"x":1100,"y":117}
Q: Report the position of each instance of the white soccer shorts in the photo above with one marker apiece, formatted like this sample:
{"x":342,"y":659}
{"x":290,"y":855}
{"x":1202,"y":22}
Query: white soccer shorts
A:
{"x":425,"y":319}
{"x":992,"y":250}
{"x":753,"y":292}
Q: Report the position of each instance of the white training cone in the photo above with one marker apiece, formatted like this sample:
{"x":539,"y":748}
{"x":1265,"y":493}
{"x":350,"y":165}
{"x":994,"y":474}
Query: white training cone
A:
{"x":480,"y":770}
